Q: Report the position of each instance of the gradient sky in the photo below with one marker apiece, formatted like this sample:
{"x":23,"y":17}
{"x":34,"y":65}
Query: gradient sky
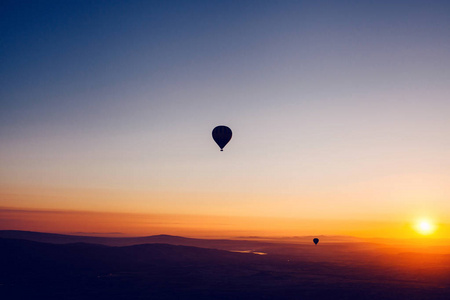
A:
{"x":340,"y":111}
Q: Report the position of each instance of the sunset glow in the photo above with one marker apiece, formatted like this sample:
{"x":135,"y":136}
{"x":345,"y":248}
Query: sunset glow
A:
{"x":425,"y":227}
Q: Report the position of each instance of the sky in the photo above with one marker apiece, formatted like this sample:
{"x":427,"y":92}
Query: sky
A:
{"x":339,"y":112}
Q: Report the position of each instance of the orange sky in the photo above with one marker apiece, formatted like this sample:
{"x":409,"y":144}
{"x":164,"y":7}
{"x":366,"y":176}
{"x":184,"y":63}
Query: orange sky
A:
{"x":388,"y":207}
{"x":142,"y":224}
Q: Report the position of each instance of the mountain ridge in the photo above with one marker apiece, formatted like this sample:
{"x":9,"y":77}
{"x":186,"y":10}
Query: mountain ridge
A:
{"x":39,"y":270}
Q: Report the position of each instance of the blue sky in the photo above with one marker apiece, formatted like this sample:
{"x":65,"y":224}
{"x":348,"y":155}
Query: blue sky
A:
{"x":327,"y":100}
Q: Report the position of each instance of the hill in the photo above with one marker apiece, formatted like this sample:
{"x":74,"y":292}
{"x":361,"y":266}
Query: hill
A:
{"x":35,"y":270}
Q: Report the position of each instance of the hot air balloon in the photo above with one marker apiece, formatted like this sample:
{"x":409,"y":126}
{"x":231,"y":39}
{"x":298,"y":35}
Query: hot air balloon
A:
{"x":222,"y":135}
{"x":316,"y":240}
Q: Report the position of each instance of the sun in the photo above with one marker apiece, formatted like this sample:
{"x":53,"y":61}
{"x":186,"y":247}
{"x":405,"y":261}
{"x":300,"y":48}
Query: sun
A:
{"x":425,"y":227}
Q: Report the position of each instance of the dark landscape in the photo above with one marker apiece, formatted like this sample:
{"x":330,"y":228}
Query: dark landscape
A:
{"x":50,"y":266}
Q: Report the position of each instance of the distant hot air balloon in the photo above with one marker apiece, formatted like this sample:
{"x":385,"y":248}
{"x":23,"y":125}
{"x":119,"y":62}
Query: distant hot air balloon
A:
{"x":316,"y":240}
{"x":222,"y":135}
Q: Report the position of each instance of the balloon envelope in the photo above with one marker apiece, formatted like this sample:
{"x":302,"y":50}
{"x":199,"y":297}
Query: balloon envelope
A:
{"x":316,"y":240}
{"x":222,"y":135}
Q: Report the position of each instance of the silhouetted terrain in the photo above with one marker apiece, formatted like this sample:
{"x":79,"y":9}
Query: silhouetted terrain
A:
{"x":35,"y":270}
{"x":126,"y":241}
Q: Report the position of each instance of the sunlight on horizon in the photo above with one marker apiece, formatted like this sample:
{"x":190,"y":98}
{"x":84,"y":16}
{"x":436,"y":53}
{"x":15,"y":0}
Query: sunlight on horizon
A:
{"x":425,"y":227}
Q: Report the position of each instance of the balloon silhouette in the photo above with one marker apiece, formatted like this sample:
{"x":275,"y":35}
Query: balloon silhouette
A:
{"x":222,"y":135}
{"x":316,"y":240}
